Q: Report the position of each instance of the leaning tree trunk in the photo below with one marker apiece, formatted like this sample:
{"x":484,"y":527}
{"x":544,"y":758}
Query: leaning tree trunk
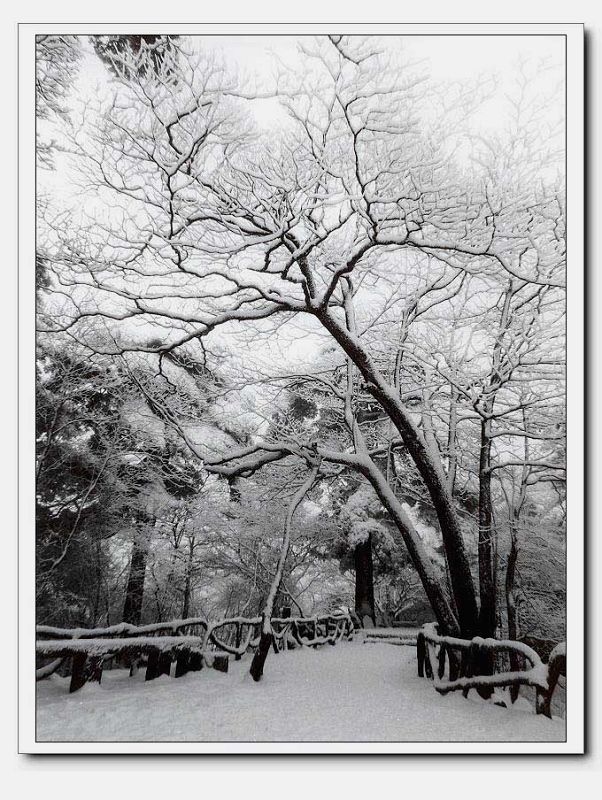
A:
{"x":358,"y":359}
{"x":267,"y":635}
{"x":463,"y":588}
{"x":364,"y":583}
{"x":431,"y":582}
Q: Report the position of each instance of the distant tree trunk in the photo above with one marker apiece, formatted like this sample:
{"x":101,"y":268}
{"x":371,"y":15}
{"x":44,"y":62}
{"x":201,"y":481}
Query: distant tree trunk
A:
{"x":512,"y":610}
{"x":513,"y":627}
{"x":515,"y":511}
{"x":279,"y":602}
{"x":487,"y":614}
{"x":487,"y":589}
{"x":134,"y":593}
{"x":383,"y":610}
{"x":364,"y":583}
{"x":98,"y":581}
{"x":486,"y":547}
{"x":188,"y":581}
{"x":186,"y":603}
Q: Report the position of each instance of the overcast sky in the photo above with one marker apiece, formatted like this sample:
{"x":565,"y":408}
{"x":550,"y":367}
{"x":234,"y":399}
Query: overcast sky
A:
{"x":446,"y":58}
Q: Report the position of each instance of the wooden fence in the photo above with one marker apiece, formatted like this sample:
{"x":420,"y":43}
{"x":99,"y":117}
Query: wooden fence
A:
{"x":194,"y":626}
{"x":190,"y":643}
{"x":456,"y":665}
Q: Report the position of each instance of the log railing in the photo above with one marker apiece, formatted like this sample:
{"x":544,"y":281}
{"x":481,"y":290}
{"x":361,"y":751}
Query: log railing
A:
{"x":191,"y":643}
{"x":454,"y":665}
{"x":234,"y":636}
{"x":401,"y":637}
{"x":88,"y":655}
{"x":311,"y":631}
{"x":194,"y":626}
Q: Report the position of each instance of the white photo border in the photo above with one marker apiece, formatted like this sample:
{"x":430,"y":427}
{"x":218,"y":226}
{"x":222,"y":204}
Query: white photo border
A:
{"x":575,"y":718}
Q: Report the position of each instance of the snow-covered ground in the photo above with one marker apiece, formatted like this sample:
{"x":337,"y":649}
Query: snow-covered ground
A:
{"x":351,"y":692}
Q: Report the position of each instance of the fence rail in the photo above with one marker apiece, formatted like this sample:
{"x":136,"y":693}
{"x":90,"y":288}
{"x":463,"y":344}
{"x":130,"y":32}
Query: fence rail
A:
{"x":460,"y":662}
{"x":190,"y":643}
{"x":175,"y":627}
{"x":399,"y":636}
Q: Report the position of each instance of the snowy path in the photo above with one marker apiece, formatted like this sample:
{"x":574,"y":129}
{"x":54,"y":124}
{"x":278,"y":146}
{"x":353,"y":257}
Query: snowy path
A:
{"x":351,"y":692}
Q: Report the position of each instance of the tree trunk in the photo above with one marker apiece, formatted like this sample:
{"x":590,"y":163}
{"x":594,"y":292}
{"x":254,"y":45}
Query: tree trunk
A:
{"x":134,"y":593}
{"x":432,"y":475}
{"x":512,"y":611}
{"x":188,"y":581}
{"x":487,"y":570}
{"x":487,"y":591}
{"x":186,"y":603}
{"x":452,"y":455}
{"x":513,"y":628}
{"x":487,"y":615}
{"x":364,"y":583}
{"x":267,"y":635}
{"x":432,"y":583}
{"x":261,"y":654}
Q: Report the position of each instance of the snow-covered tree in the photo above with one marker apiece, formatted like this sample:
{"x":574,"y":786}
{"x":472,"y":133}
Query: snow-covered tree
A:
{"x":429,"y":275}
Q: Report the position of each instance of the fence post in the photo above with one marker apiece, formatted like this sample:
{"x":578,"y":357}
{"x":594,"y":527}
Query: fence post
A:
{"x":182,"y":662}
{"x":152,"y":665}
{"x":195,"y":661}
{"x":85,"y":668}
{"x":453,"y":664}
{"x":441,"y":660}
{"x":77,"y":672}
{"x":556,"y":668}
{"x":428,"y":667}
{"x":420,"y":653}
{"x":164,"y":666}
{"x":472,"y":656}
{"x":93,"y":668}
{"x":221,"y":662}
{"x":237,"y":642}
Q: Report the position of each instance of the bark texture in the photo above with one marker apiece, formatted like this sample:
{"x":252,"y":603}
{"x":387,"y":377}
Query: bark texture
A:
{"x":134,"y":594}
{"x":364,"y":582}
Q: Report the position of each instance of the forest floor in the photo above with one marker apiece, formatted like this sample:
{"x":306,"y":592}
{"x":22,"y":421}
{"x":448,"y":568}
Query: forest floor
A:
{"x":352,"y":692}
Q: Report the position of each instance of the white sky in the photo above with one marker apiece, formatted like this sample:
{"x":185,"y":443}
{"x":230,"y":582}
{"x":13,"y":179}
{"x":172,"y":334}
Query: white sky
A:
{"x":447,"y":58}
